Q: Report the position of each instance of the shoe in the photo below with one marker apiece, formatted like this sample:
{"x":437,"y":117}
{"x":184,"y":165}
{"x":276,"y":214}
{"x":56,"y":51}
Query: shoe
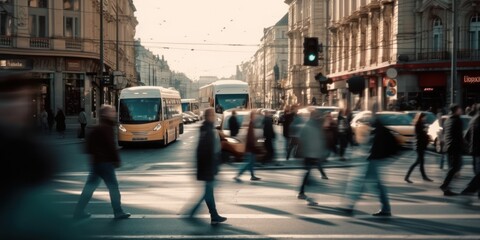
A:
{"x":255,"y":179}
{"x":382,"y":214}
{"x":237,"y":179}
{"x":217,"y":220}
{"x":408,"y":180}
{"x":81,"y":215}
{"x":302,"y":196}
{"x":122,"y":215}
{"x":427,"y":179}
{"x":346,"y":211}
{"x":325,"y":177}
{"x":449,"y":193}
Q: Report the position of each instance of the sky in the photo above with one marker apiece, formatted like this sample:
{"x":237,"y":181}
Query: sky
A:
{"x":195,"y":36}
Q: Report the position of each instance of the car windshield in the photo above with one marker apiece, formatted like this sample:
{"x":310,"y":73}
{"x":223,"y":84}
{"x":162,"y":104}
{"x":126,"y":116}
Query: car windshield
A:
{"x":229,"y":101}
{"x":141,"y":110}
{"x":395,"y":119}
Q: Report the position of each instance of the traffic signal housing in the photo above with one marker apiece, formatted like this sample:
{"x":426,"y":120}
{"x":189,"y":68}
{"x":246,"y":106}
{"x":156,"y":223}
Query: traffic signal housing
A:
{"x":310,"y":51}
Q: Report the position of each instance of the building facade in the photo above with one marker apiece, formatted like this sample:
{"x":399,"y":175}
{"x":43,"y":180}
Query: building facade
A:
{"x":307,"y":18}
{"x":152,"y":70}
{"x":407,"y":44}
{"x":58,"y":40}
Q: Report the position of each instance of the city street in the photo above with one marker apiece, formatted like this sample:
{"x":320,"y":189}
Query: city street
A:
{"x":158,"y":186}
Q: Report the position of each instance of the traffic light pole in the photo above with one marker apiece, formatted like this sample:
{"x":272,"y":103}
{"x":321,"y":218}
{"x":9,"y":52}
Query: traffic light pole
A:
{"x":264,"y":69}
{"x":101,"y":55}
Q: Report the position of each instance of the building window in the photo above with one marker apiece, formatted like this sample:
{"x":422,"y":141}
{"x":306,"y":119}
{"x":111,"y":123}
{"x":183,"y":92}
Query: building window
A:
{"x":38,"y":3}
{"x":74,"y":93}
{"x":5,"y":24}
{"x":71,"y":27}
{"x":475,"y":32}
{"x":73,"y":5}
{"x":38,"y":26}
{"x":437,"y":43}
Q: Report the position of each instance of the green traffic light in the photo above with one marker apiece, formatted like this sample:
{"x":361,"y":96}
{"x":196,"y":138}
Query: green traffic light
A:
{"x":311,"y":57}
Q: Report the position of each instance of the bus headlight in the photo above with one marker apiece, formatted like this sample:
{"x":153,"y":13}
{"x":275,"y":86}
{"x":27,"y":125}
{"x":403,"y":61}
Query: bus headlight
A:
{"x":158,"y":127}
{"x":122,"y":128}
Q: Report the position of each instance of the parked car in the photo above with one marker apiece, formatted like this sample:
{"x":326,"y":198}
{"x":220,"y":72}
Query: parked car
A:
{"x":305,"y":112}
{"x":435,"y":131}
{"x":279,"y":117}
{"x":399,"y":124}
{"x":235,"y":146}
{"x":193,"y":115}
{"x":430,"y":117}
{"x":187,"y":118}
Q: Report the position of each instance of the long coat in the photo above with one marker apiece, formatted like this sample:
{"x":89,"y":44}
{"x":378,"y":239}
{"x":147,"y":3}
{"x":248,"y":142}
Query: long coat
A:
{"x":453,"y":132}
{"x":472,"y":137}
{"x":60,"y":119}
{"x":208,"y":152}
{"x":312,"y":140}
{"x":384,"y":143}
{"x":101,"y":144}
{"x":422,"y":136}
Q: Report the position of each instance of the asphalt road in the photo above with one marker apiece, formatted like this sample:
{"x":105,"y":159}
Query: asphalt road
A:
{"x":158,"y":187}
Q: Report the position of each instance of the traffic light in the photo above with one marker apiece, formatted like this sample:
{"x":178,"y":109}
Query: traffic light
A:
{"x":323,"y":88}
{"x":310,"y":51}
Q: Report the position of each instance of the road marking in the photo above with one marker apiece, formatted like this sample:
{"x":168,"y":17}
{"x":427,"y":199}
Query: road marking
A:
{"x":294,"y":216}
{"x":291,"y":236}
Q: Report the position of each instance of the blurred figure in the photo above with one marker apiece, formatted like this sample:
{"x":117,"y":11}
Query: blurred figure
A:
{"x":82,"y":119}
{"x":51,"y":119}
{"x":422,"y":143}
{"x":312,"y":142}
{"x":343,"y":134}
{"x":472,"y":138}
{"x":294,"y":131}
{"x":441,"y":122}
{"x":104,"y":159}
{"x":28,"y":167}
{"x":269,"y":135}
{"x":208,"y":159}
{"x":60,"y":120}
{"x":330,"y":128}
{"x":44,"y":121}
{"x":384,"y":145}
{"x":453,"y":135}
{"x":474,"y":110}
{"x":288,"y":119}
{"x":250,"y":151}
{"x":468,"y":110}
{"x":233,"y":124}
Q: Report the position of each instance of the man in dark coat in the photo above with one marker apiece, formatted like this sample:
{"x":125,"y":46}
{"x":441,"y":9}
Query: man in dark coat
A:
{"x":453,"y":130}
{"x":208,"y":158}
{"x":269,"y":135}
{"x":104,"y":159}
{"x":233,"y":124}
{"x":472,"y":138}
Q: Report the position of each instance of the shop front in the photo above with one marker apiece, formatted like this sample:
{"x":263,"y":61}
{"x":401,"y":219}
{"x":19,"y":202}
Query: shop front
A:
{"x":471,"y":87}
{"x":433,"y":90}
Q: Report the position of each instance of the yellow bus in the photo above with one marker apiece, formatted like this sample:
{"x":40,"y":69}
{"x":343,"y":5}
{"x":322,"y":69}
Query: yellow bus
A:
{"x":149,"y":114}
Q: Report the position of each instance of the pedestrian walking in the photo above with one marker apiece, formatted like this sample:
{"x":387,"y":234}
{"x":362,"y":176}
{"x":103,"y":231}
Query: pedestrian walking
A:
{"x":384,"y":145}
{"x":313,"y":148}
{"x":288,"y":119}
{"x":441,"y":137}
{"x":472,"y":138}
{"x":233,"y":124}
{"x":453,"y":131}
{"x":44,"y":121}
{"x":208,"y":160}
{"x":343,"y":134}
{"x":294,"y":132}
{"x":330,"y":128}
{"x":422,"y":143}
{"x":51,"y":119}
{"x":104,"y":158}
{"x":60,"y":123}
{"x":82,"y":119}
{"x":269,"y":135}
{"x":250,"y":151}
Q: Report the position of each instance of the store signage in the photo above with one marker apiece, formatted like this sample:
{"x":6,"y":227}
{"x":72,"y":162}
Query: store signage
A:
{"x":471,"y":80}
{"x":73,"y":65}
{"x":391,"y":88}
{"x":16,"y":64}
{"x":428,"y":89}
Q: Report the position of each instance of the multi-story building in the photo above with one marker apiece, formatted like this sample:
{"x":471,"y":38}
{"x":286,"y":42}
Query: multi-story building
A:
{"x":412,"y":41}
{"x":205,"y":80}
{"x":58,"y":40}
{"x":152,"y":69}
{"x":306,"y":19}
{"x":268,"y":68}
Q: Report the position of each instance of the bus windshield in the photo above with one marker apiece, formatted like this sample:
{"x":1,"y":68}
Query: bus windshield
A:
{"x":186,"y":107}
{"x":139,"y":110}
{"x":229,"y":101}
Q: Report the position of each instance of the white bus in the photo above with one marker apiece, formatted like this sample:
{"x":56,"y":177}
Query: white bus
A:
{"x":224,"y":94}
{"x":149,"y":114}
{"x":191,"y":105}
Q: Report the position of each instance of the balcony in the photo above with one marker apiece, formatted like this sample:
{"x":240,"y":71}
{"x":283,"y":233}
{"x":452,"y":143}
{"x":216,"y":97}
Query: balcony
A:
{"x":437,"y":55}
{"x":73,"y":44}
{"x":6,"y":41}
{"x":40,"y":42}
{"x":468,"y":54}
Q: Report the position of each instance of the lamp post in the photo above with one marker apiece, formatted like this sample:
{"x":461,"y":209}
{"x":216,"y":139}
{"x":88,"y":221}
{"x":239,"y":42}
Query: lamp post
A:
{"x":101,"y":55}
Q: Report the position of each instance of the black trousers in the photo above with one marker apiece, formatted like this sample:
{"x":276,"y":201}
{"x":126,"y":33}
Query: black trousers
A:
{"x":82,"y":130}
{"x":420,"y":161}
{"x":270,"y":150}
{"x":474,"y":185}
{"x":309,"y":164}
{"x":455,"y":163}
{"x":342,"y":142}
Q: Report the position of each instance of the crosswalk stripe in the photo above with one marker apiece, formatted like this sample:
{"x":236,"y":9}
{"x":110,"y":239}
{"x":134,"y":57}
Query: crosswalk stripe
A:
{"x":293,"y":236}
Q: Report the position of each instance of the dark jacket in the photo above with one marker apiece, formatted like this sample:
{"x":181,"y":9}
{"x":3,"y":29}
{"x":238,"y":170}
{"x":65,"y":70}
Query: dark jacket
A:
{"x":422,"y":136}
{"x":233,"y":125}
{"x":472,"y":136}
{"x":60,"y":119}
{"x":384,"y":143}
{"x":268,"y":132}
{"x":286,"y":124}
{"x":101,"y":144}
{"x":453,"y":132}
{"x":208,"y":152}
{"x":251,"y":139}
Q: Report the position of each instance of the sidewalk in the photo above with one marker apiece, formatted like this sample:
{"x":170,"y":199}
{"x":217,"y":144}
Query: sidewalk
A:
{"x":70,"y":136}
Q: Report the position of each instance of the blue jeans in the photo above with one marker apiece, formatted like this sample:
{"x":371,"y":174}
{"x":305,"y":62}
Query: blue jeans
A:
{"x":209,"y":200}
{"x":105,"y":171}
{"x":356,"y":186}
{"x":250,"y":157}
